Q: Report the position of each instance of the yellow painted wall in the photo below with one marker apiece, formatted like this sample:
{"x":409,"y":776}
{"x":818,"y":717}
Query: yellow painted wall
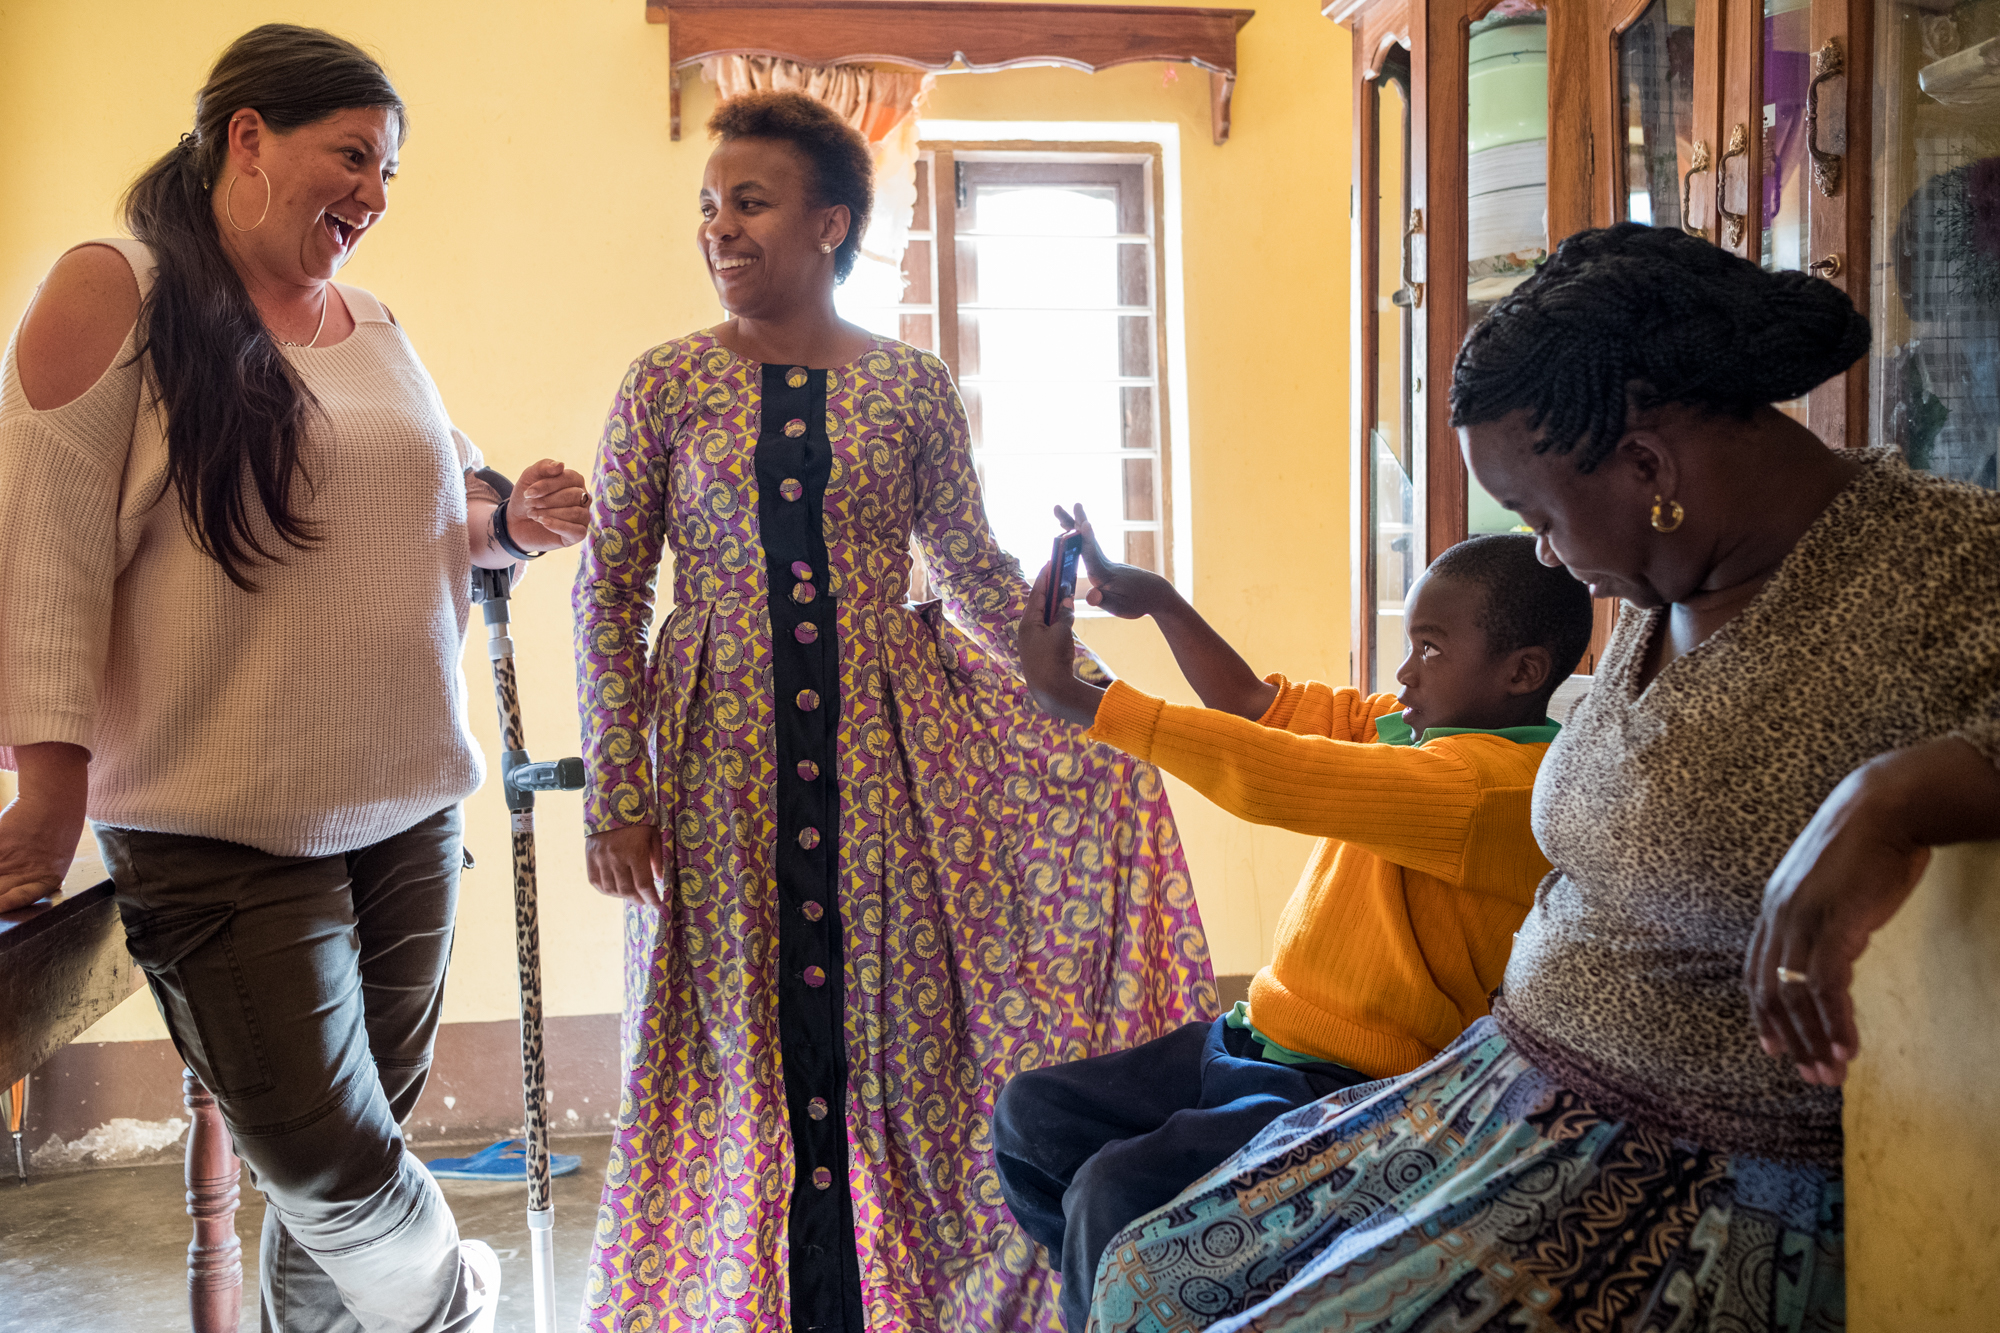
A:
{"x":540,"y":236}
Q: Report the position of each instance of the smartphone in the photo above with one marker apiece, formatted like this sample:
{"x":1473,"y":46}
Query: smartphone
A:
{"x":1062,"y":566}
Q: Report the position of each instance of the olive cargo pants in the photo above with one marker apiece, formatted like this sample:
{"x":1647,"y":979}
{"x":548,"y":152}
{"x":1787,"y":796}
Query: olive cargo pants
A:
{"x":305,"y":992}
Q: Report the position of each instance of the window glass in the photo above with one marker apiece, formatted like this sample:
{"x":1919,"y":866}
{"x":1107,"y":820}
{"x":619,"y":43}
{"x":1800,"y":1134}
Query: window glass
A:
{"x":896,"y":300}
{"x":1935,"y":362}
{"x":1787,"y":73}
{"x":1395,"y":539}
{"x":1057,"y":349}
{"x":1507,"y":190}
{"x":1656,"y":97}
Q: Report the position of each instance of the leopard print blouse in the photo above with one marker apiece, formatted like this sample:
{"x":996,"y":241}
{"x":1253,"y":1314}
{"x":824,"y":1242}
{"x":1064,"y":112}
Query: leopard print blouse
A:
{"x":1665,"y":811}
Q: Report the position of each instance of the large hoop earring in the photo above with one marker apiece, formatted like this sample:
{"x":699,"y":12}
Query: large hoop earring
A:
{"x":229,"y":193}
{"x":1671,"y":523}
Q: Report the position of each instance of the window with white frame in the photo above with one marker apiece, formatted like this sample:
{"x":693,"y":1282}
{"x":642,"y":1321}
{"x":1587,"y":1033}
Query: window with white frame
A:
{"x":1036,"y":276}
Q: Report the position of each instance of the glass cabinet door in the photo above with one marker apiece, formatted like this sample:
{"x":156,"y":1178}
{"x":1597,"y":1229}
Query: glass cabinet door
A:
{"x":1392,"y":465}
{"x":1787,"y":73}
{"x":1655,"y":82}
{"x":1934,"y":368}
{"x":1507,"y":180}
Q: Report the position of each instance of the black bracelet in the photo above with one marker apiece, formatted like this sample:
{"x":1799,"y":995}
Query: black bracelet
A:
{"x":501,"y":535}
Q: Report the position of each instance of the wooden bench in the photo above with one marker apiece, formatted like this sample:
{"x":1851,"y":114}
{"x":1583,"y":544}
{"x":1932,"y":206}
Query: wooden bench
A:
{"x":1923,"y":1108}
{"x":63,"y":966}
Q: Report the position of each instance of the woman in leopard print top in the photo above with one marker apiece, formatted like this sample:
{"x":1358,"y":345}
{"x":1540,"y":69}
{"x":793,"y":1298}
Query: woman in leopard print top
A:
{"x":1802,"y":695}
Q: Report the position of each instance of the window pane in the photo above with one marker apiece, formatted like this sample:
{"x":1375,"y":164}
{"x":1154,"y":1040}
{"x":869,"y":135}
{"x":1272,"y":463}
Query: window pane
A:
{"x":1656,"y":94}
{"x":1039,"y":210}
{"x":870,"y":298}
{"x":891,"y":301}
{"x":1047,"y":271}
{"x":1047,"y":418}
{"x":1507,"y":190}
{"x":1040,"y":344}
{"x":1021,"y":492}
{"x":1392,"y":461}
{"x":1056,"y":349}
{"x":1935,"y":362}
{"x":1787,"y":71}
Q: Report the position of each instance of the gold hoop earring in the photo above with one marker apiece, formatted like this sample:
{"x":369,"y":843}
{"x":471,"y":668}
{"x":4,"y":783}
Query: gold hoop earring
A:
{"x":1668,"y":524}
{"x":229,"y":194}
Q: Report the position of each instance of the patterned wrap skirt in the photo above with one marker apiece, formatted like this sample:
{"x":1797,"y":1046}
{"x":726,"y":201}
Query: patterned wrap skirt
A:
{"x":1476,"y":1193}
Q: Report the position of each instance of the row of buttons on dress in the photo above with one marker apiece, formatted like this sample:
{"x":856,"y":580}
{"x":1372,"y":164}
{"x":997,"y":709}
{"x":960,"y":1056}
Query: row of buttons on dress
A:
{"x":808,"y":701}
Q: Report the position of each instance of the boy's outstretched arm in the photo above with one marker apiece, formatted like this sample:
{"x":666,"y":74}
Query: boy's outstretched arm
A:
{"x":1217,"y":672}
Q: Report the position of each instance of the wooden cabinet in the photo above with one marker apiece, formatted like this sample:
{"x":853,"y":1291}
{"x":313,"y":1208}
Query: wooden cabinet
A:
{"x":1855,"y":139}
{"x":1453,"y":205}
{"x":1757,"y":101}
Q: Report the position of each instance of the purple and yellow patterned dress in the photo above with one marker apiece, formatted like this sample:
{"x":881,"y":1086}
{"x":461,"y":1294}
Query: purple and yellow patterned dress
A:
{"x":894,"y":883}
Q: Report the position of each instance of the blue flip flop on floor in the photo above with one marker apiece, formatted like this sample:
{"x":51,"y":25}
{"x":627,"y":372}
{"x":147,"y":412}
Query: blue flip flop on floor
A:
{"x":505,"y":1160}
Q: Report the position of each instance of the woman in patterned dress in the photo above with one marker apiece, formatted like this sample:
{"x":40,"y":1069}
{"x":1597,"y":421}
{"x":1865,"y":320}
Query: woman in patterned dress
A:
{"x":1802,"y":695}
{"x":867,"y":881}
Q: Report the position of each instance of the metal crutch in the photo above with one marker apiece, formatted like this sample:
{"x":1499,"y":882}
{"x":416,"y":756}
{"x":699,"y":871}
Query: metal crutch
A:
{"x":521,"y":778}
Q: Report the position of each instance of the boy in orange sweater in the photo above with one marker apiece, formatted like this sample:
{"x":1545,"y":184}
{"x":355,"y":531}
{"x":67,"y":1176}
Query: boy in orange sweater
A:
{"x":1399,"y":928}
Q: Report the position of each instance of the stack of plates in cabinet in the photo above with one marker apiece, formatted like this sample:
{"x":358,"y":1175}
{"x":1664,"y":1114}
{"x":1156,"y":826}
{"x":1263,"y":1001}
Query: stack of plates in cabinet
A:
{"x":1970,"y":78}
{"x":1507,"y":105}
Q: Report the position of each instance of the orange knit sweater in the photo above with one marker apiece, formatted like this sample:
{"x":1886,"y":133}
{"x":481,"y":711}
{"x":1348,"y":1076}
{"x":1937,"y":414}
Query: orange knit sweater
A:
{"x":1400,"y":927}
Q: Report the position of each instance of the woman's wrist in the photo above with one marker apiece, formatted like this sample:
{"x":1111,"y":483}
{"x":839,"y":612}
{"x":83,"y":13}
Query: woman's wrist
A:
{"x":54,"y":778}
{"x":504,"y":539}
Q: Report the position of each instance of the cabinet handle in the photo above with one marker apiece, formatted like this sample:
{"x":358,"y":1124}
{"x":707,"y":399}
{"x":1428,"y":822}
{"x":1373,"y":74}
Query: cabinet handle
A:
{"x":1828,"y":268}
{"x":1739,"y":144}
{"x":1410,"y":296}
{"x":1828,"y":63}
{"x":1697,"y":163}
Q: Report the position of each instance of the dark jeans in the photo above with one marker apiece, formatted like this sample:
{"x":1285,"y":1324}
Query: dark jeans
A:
{"x":1086,"y":1148}
{"x":304,"y":992}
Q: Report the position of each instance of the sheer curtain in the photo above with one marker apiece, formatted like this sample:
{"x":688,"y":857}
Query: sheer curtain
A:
{"x":883,"y":105}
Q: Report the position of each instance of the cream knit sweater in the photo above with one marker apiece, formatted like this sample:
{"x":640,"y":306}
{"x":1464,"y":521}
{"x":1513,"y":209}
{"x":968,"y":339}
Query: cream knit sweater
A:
{"x":320,"y":714}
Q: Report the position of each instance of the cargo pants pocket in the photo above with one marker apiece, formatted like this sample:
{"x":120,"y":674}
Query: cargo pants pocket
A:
{"x":189,"y":958}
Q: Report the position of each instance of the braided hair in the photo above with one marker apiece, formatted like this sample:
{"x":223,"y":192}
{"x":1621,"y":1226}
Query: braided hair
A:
{"x":1641,"y":316}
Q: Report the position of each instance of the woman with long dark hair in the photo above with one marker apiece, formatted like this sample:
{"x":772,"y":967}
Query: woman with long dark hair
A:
{"x":236,"y":535}
{"x":1802,"y":696}
{"x":868,"y":880}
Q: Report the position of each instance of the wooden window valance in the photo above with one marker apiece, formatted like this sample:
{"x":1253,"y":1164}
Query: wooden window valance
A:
{"x":934,"y":34}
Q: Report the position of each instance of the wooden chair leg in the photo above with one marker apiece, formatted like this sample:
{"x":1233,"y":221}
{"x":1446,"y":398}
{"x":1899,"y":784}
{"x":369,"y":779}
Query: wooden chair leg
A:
{"x":215,"y":1255}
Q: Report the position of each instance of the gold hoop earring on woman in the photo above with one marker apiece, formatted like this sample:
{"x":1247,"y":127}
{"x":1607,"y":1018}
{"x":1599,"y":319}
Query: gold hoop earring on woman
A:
{"x":229,"y":193}
{"x":1670,"y":522}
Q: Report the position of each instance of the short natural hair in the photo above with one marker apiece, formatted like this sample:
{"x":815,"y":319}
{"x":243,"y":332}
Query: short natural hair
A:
{"x":1527,"y":604}
{"x":841,"y":169}
{"x":1636,"y":316}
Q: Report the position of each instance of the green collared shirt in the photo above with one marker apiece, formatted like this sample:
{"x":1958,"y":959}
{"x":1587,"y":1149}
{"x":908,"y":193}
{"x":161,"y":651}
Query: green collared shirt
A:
{"x":1238,"y":1017}
{"x":1390,"y":729}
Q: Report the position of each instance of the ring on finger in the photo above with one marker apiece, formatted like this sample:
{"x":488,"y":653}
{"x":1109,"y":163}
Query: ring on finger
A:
{"x":1790,"y":977}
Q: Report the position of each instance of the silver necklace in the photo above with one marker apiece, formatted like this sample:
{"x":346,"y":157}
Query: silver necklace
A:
{"x":326,"y":295}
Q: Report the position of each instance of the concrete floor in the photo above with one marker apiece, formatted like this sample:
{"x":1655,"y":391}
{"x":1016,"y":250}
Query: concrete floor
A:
{"x":99,"y":1251}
